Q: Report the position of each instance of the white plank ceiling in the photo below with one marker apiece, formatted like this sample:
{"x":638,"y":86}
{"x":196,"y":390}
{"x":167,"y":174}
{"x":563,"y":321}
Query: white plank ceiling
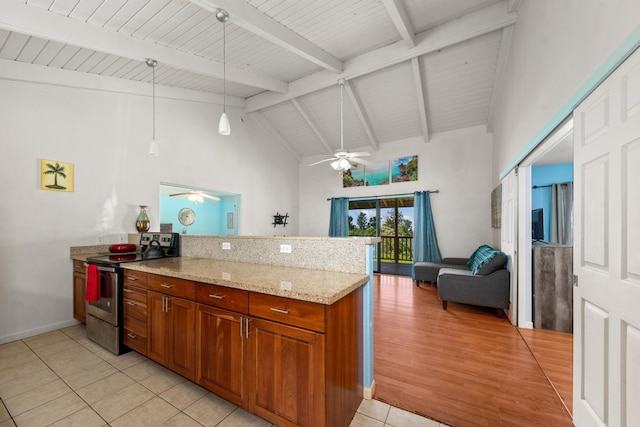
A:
{"x":412,"y":67}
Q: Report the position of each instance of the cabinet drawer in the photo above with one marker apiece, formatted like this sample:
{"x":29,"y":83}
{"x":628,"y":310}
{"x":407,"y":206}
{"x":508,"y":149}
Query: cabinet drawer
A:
{"x":223,"y":297}
{"x":135,"y":310}
{"x":135,"y":278}
{"x":172,"y":286}
{"x":135,"y":294}
{"x":135,"y":325}
{"x":304,"y":314}
{"x":135,"y":341}
{"x":78,"y":266}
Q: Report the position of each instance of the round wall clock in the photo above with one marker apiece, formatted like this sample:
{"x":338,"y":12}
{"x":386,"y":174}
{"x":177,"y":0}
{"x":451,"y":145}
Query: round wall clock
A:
{"x":186,"y":216}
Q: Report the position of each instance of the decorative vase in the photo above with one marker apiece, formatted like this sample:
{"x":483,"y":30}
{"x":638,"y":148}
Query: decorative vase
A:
{"x":142,"y":222}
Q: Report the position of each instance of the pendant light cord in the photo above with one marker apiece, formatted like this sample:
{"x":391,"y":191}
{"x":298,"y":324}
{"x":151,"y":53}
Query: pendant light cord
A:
{"x":341,"y":117}
{"x":224,"y":66}
{"x":153,"y":71}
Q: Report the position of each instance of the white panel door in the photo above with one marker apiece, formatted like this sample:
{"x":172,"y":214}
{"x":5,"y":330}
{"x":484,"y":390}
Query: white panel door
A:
{"x":508,"y":233}
{"x":607,"y":252}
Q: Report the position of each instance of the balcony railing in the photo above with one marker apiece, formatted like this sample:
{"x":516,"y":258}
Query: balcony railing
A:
{"x":396,"y":249}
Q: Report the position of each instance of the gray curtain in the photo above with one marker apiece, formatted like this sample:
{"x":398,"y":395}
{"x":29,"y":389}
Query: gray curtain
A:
{"x":562,"y":213}
{"x":339,"y":220}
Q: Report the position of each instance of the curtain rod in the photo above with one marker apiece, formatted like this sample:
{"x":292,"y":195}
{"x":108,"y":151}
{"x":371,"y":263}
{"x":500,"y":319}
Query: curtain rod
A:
{"x":556,"y":183}
{"x":386,"y":196}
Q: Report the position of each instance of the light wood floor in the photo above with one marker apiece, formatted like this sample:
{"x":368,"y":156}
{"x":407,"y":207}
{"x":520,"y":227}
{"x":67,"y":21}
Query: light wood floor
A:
{"x":463,"y":366}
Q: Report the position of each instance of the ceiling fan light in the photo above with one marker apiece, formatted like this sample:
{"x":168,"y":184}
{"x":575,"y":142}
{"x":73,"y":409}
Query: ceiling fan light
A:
{"x":336,"y":165}
{"x":224,"y":128}
{"x":154,"y":150}
{"x":195,"y":198}
{"x":344,"y":164}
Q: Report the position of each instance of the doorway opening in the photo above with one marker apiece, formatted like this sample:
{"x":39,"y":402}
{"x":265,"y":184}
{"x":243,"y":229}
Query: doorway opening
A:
{"x":391,"y":219}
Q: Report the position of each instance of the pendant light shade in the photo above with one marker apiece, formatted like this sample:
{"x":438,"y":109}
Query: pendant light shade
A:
{"x":224,"y":128}
{"x":154,"y":150}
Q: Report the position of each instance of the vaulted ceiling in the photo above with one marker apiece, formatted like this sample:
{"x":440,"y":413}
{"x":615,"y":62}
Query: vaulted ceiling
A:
{"x":413,"y":68}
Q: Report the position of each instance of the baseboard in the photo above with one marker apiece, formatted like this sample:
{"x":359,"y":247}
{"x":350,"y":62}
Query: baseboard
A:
{"x":526,"y":325}
{"x":368,"y":392}
{"x":37,"y":331}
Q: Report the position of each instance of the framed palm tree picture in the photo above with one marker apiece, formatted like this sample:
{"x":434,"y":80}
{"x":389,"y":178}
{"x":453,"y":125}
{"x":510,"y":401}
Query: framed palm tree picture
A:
{"x":56,"y":175}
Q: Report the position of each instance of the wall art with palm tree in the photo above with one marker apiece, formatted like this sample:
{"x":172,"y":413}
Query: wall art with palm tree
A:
{"x":56,"y":175}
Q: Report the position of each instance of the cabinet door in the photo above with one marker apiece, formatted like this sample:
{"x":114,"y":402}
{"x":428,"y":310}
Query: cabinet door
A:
{"x":157,"y":328}
{"x":220,"y":349}
{"x":286,"y":374}
{"x":79,"y":304}
{"x":182,"y":333}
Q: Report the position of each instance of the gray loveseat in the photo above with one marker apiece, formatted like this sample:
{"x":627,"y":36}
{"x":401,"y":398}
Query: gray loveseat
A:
{"x":482,"y":279}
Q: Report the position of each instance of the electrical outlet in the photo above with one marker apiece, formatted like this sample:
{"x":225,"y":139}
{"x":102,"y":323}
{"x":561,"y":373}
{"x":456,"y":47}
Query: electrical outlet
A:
{"x":285,"y":286}
{"x":226,"y":276}
{"x":101,"y":240}
{"x":285,"y":249}
{"x":226,"y":245}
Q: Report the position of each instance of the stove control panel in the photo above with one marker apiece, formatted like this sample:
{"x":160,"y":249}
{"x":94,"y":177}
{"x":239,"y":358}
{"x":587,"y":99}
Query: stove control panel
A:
{"x":170,"y":242}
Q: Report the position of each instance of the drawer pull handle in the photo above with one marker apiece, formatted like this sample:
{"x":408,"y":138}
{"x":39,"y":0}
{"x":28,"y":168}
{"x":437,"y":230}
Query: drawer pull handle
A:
{"x":164,"y":285}
{"x":132,"y":336}
{"x":278,"y":310}
{"x":131,"y":303}
{"x":132,"y":278}
{"x":216,"y":296}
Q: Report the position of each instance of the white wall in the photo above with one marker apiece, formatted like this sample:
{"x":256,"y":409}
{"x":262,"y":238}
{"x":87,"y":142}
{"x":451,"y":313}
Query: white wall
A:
{"x":105,"y":133}
{"x":457,"y":163}
{"x":556,"y":47}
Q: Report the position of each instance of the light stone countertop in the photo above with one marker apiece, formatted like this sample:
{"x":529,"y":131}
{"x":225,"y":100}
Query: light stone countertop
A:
{"x":320,"y":286}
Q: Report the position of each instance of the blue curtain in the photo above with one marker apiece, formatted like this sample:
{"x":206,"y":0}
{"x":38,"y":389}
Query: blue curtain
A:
{"x":425,"y":241}
{"x":339,"y":221}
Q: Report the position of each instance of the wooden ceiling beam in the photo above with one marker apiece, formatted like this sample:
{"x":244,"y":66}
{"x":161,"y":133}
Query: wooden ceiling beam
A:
{"x":400,"y":18}
{"x":266,"y":125}
{"x":475,"y":24}
{"x":355,"y":101}
{"x":501,"y":66}
{"x":422,"y":105}
{"x":312,"y":124}
{"x":251,"y":19}
{"x":34,"y":21}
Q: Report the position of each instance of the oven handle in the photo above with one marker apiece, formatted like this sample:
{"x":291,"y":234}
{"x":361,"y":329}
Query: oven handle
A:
{"x":101,"y":268}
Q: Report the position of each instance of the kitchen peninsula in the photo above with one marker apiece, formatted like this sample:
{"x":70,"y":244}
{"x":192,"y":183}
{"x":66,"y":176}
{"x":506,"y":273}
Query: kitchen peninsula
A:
{"x":280,"y":334}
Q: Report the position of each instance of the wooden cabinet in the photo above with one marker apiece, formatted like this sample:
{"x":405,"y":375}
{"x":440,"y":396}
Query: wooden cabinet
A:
{"x":291,"y":362}
{"x":286,"y":377}
{"x":79,"y":286}
{"x":171,"y":332}
{"x":220,"y":349}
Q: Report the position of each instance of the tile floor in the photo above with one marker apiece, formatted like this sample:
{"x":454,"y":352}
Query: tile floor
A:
{"x":62,"y":379}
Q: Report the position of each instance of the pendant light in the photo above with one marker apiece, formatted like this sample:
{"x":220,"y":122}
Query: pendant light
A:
{"x":154,"y":150}
{"x":224,"y":128}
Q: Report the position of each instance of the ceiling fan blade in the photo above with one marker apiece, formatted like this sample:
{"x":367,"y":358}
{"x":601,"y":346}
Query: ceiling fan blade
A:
{"x":179,"y":194}
{"x":360,"y":161}
{"x":322,"y":161}
{"x":209,"y":196}
{"x":359,"y":154}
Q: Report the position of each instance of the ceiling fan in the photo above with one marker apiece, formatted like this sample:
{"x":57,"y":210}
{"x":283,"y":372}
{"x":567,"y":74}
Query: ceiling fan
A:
{"x":195,"y":196}
{"x":342,"y":159}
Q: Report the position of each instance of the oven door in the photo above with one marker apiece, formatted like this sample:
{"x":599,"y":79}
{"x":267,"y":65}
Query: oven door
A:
{"x":106,"y":308}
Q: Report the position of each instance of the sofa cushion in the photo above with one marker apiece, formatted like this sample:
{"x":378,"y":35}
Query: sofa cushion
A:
{"x":498,"y":261}
{"x":481,"y":256}
{"x":472,"y":258}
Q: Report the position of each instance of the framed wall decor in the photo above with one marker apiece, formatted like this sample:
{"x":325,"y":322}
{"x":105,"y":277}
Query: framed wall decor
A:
{"x":496,"y":207}
{"x":377,"y":173}
{"x":56,"y":175}
{"x":353,"y":177}
{"x":404,"y":169}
